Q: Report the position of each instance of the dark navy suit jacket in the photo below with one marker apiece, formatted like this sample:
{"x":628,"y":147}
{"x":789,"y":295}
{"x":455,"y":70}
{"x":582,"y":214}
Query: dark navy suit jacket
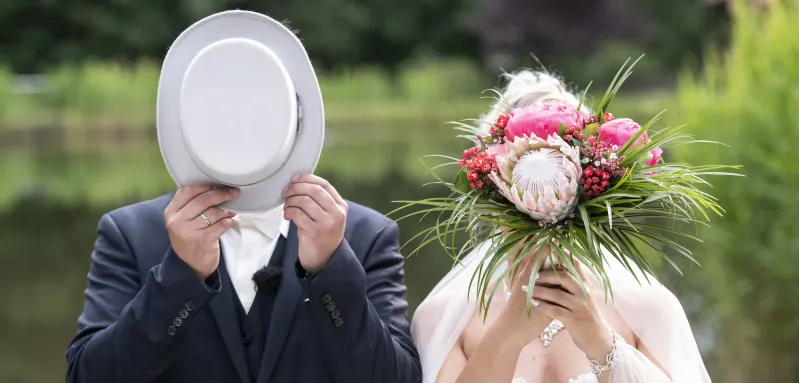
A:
{"x":138,"y":287}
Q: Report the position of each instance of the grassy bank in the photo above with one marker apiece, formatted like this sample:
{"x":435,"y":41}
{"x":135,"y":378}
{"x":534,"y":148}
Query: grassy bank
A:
{"x":89,"y":135}
{"x":109,"y":95}
{"x":103,"y":94}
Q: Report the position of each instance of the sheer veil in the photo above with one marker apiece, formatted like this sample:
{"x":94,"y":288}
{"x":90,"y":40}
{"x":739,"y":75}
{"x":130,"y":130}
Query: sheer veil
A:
{"x":651,"y":311}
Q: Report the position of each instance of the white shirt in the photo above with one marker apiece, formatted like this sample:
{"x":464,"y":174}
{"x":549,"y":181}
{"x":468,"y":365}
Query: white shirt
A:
{"x":248,"y":247}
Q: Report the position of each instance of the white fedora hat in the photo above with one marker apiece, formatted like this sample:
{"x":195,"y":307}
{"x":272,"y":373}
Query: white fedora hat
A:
{"x":239,"y":104}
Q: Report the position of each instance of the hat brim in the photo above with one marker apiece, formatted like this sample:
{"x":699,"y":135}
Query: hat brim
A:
{"x":304,"y":156}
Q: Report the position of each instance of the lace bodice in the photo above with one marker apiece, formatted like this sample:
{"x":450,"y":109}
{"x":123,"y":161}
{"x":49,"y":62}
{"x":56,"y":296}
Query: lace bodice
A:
{"x":584,"y":378}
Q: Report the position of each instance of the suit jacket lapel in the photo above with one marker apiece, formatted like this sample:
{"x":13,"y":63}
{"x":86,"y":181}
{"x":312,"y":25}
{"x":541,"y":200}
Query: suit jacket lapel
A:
{"x":224,"y":311}
{"x":288,"y":297}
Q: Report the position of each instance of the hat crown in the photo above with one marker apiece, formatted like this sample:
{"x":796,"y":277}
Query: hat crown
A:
{"x":239,"y":104}
{"x":238,"y":111}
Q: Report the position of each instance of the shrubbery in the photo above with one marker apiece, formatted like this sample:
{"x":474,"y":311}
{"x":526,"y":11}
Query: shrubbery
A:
{"x":98,"y":94}
{"x":748,"y":98}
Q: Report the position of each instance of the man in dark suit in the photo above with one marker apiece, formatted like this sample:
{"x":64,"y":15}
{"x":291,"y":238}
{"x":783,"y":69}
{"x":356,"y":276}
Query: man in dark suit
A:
{"x":163,"y":303}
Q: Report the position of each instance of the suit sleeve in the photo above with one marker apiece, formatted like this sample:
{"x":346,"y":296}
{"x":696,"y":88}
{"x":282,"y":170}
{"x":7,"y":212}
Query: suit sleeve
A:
{"x":129,"y":328}
{"x":361,"y":314}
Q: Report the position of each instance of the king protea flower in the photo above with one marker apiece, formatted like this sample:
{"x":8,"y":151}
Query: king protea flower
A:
{"x":539,"y":176}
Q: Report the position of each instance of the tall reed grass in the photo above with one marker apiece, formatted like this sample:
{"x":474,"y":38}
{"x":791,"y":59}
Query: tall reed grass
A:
{"x":102,"y":94}
{"x":748,"y":97}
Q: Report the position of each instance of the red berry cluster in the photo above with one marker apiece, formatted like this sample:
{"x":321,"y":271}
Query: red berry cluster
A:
{"x":594,"y":120}
{"x":573,"y":133}
{"x":595,"y":181}
{"x":497,"y":131}
{"x":602,"y":166}
{"x":479,"y":165}
{"x":594,"y":148}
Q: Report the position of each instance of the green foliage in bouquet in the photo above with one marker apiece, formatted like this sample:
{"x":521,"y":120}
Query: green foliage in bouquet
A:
{"x":578,"y":186}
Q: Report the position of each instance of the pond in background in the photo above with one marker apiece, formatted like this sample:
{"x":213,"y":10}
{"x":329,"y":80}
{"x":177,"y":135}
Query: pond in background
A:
{"x":56,"y":183}
{"x":104,"y":166}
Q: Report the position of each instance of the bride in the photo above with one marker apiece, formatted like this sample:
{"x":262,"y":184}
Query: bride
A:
{"x":639,"y":335}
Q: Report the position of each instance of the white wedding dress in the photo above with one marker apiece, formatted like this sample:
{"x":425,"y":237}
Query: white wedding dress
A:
{"x":650,"y":310}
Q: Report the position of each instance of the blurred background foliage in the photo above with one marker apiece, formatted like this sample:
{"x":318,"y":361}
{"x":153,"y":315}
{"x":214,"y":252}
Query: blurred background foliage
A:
{"x":747,"y":97}
{"x":78,"y":85}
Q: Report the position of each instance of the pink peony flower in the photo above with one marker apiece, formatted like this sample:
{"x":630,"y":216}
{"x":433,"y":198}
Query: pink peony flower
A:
{"x":617,"y":132}
{"x":656,"y":153}
{"x":542,"y":119}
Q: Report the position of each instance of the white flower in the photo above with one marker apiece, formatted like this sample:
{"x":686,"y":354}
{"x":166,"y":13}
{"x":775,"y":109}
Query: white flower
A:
{"x":540,"y":177}
{"x":584,"y":378}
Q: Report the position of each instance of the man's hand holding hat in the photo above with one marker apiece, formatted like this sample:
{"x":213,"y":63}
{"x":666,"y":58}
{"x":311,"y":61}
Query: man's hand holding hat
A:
{"x":320,"y":215}
{"x":195,"y":225}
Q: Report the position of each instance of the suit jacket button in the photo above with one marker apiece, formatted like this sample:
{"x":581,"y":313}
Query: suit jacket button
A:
{"x":177,"y":322}
{"x":338,"y":322}
{"x":172,"y":330}
{"x":331,"y":306}
{"x":326,"y":298}
{"x":190,"y":305}
{"x":183,"y":313}
{"x":334,"y":314}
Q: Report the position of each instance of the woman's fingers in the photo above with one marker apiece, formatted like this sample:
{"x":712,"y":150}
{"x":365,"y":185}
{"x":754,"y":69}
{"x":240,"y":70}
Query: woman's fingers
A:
{"x":526,"y":268}
{"x":552,"y":303}
{"x":552,"y":310}
{"x":562,"y":278}
{"x":553,"y":295}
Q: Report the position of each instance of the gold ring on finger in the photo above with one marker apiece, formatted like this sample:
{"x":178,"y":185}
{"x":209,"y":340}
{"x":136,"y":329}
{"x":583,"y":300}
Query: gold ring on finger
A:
{"x":207,"y":221}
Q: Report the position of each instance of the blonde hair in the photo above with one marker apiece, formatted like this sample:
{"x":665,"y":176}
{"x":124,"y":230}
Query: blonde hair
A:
{"x":525,"y":87}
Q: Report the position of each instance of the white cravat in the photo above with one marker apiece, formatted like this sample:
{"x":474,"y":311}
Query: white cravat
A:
{"x":248,"y":246}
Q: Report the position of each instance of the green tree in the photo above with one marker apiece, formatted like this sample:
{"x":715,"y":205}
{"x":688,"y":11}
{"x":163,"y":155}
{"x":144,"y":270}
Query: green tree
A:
{"x":746,"y":97}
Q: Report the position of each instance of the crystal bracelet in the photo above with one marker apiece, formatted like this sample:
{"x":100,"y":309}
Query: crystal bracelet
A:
{"x":612,"y":359}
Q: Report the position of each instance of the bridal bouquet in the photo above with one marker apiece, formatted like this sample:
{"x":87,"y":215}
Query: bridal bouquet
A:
{"x":586,"y":187}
